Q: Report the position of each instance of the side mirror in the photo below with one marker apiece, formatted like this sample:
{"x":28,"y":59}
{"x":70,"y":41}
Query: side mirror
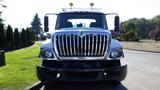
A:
{"x":46,"y":29}
{"x":116,"y":24}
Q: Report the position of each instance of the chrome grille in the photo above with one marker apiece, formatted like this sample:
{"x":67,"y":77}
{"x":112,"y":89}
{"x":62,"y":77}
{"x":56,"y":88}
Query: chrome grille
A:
{"x":73,"y":45}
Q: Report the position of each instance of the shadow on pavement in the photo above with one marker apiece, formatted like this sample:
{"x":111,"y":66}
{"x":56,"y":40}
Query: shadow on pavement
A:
{"x":84,"y":86}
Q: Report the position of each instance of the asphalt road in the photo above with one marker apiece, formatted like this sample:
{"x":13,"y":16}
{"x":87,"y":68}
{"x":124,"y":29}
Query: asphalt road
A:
{"x":143,"y":70}
{"x":143,"y":74}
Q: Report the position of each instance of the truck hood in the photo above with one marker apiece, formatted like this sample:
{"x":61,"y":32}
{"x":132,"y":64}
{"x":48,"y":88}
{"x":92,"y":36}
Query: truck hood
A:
{"x":81,"y":30}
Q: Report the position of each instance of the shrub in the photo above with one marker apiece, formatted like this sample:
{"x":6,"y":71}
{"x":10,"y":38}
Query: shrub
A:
{"x":9,"y":37}
{"x":24,"y":38}
{"x":17,"y":38}
{"x":2,"y":37}
{"x":129,"y":36}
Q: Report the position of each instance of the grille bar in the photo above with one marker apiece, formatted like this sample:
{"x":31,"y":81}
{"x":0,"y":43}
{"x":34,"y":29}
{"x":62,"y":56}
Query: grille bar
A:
{"x":66,"y":43}
{"x":89,"y":45}
{"x":96,"y":46}
{"x":100,"y":45}
{"x":85,"y":45}
{"x":63,"y":52}
{"x":81,"y":50}
{"x":72,"y":45}
{"x":70,"y":39}
{"x":104,"y":45}
{"x":59,"y":42}
{"x":77,"y":46}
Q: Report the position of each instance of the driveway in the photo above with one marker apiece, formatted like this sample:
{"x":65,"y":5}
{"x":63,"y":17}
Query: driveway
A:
{"x":143,"y":70}
{"x":143,"y":74}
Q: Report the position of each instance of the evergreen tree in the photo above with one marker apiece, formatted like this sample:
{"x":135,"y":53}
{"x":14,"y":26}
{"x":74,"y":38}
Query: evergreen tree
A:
{"x":9,"y":37}
{"x":28,"y":35}
{"x":24,"y":37}
{"x":17,"y":38}
{"x":32,"y":35}
{"x":36,"y":25}
{"x":2,"y":36}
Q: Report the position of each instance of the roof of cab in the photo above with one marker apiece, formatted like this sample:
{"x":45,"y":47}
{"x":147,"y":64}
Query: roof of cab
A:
{"x":80,"y":10}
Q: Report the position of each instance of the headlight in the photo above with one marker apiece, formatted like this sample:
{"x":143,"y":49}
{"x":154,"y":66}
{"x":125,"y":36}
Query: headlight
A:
{"x":48,"y":54}
{"x":117,"y":53}
{"x":114,"y":54}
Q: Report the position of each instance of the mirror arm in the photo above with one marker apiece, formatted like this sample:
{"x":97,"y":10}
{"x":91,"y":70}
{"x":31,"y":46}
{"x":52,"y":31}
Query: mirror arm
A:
{"x":112,"y":14}
{"x":50,"y":14}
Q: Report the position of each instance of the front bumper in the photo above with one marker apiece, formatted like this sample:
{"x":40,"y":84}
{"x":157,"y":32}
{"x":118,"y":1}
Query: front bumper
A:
{"x":47,"y":74}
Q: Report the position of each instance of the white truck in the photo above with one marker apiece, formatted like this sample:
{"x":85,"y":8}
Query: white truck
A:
{"x":81,"y":48}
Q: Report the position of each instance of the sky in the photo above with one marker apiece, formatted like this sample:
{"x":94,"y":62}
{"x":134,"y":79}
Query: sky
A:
{"x":20,"y":13}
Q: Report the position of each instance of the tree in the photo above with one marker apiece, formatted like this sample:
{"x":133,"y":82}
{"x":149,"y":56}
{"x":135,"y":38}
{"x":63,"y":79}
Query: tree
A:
{"x":24,"y":37}
{"x":9,"y":37}
{"x":2,"y":36}
{"x":143,"y":28}
{"x":17,"y":38}
{"x":28,"y":36}
{"x":156,"y":20}
{"x":155,"y":34}
{"x":151,"y":34}
{"x":140,"y":26}
{"x":36,"y":25}
{"x":32,"y":34}
{"x":129,"y":30}
{"x":129,"y":36}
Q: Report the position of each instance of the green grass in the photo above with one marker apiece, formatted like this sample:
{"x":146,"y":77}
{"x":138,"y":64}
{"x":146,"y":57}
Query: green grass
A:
{"x":20,"y":69}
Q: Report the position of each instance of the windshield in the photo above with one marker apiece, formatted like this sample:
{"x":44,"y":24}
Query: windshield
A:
{"x":81,"y":19}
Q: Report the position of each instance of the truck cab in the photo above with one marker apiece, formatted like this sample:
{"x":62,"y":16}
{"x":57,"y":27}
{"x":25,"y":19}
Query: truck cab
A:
{"x":81,"y":48}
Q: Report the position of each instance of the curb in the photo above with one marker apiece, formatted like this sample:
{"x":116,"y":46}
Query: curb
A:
{"x":36,"y":86}
{"x":142,"y":50}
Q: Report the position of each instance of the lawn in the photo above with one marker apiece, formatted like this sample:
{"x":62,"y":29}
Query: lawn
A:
{"x":20,"y":69}
{"x":144,"y":45}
